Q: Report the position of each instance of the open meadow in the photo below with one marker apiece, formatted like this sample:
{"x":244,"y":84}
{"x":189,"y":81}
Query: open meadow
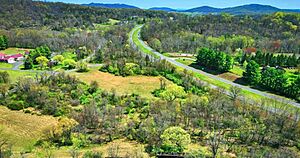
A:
{"x":142,"y":85}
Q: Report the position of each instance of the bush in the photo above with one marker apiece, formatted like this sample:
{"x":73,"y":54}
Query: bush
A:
{"x":82,"y":67}
{"x":175,"y":140}
{"x":16,"y":105}
{"x":131,"y":69}
{"x":92,"y":154}
{"x":69,"y":64}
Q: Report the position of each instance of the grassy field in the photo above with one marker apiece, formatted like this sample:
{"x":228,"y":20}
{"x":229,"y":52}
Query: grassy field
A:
{"x":6,"y":65}
{"x":124,"y":148}
{"x":23,"y":130}
{"x":185,"y":61}
{"x":106,"y":26}
{"x":14,"y":50}
{"x":15,"y":74}
{"x":142,"y":85}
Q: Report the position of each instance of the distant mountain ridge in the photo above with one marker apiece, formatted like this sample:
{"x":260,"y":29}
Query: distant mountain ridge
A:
{"x":163,"y":9}
{"x":238,"y":10}
{"x":245,"y":9}
{"x":115,"y":5}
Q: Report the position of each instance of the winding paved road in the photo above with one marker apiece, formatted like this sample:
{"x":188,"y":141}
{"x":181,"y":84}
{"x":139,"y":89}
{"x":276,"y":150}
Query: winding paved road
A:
{"x":267,"y":95}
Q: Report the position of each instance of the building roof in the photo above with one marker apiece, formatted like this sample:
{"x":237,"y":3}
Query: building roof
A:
{"x":4,"y":57}
{"x":16,"y":56}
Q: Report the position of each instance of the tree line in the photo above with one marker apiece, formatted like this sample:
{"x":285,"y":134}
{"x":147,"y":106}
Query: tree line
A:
{"x":215,"y":60}
{"x":269,"y":59}
{"x":19,"y":14}
{"x":276,"y":33}
{"x":272,"y":79}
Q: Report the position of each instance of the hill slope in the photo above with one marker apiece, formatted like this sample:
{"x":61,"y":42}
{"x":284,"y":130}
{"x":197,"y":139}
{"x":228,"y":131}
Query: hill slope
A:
{"x":163,"y":9}
{"x":244,"y":9}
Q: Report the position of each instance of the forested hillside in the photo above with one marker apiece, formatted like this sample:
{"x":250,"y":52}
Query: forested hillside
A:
{"x":278,"y":32}
{"x":77,"y":59}
{"x":27,"y":13}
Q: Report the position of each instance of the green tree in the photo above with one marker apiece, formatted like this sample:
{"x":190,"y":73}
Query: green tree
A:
{"x":58,"y":58}
{"x":274,"y":79}
{"x":99,"y":56}
{"x":82,"y":66}
{"x":156,"y":44}
{"x":69,"y":64}
{"x":175,"y":139}
{"x":28,"y":63}
{"x":2,"y":43}
{"x":252,"y":73}
{"x":294,"y":89}
{"x":42,"y":61}
{"x":173,"y":92}
{"x":4,"y":77}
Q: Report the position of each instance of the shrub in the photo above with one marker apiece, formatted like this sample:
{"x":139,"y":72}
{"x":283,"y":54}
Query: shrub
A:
{"x":69,"y":64}
{"x":82,"y":67}
{"x":16,"y":105}
{"x":175,"y":140}
{"x":92,"y":154}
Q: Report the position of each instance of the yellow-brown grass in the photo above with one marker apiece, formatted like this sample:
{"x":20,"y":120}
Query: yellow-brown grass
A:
{"x":23,"y":130}
{"x":125,"y":148}
{"x":142,"y":85}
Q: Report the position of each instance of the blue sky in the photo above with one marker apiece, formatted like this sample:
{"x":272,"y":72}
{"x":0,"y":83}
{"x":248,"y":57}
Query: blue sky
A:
{"x":285,"y":4}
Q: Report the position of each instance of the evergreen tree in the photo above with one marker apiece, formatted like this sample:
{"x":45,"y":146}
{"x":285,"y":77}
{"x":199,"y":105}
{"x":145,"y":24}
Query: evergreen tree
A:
{"x":28,"y":64}
{"x":252,"y":73}
{"x":5,"y":41}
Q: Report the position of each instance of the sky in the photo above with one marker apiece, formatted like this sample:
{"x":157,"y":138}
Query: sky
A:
{"x":186,"y":4}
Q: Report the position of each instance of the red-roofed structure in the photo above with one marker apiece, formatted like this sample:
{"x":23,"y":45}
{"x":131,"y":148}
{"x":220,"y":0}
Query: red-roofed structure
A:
{"x":2,"y":55}
{"x":10,"y":58}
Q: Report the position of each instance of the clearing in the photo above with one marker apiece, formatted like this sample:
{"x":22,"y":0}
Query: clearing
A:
{"x":142,"y":85}
{"x":10,"y":51}
{"x":16,"y":74}
{"x":5,"y":66}
{"x":23,"y":130}
{"x":123,"y":148}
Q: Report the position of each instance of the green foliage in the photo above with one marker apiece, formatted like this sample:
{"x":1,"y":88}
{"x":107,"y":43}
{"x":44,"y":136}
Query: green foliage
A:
{"x":58,"y":58}
{"x":43,"y":55}
{"x":99,"y":56}
{"x":16,"y":105}
{"x":82,"y":66}
{"x":294,"y":89}
{"x":92,"y":154}
{"x":61,"y":134}
{"x":3,"y":42}
{"x":69,"y":64}
{"x":269,"y":59}
{"x":4,"y":77}
{"x":175,"y":140}
{"x":274,"y":79}
{"x":79,"y":140}
{"x":219,"y":61}
{"x":28,"y":64}
{"x":131,"y":69}
{"x":225,"y":33}
{"x":252,"y":74}
{"x":42,"y":61}
{"x":156,"y":44}
{"x":172,"y":92}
